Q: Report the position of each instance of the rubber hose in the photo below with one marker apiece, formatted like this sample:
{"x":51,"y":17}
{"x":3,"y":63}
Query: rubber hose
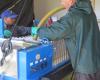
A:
{"x":52,"y":12}
{"x":44,"y":19}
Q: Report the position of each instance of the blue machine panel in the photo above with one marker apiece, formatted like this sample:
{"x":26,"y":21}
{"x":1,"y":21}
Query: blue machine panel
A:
{"x":34,"y":62}
{"x":1,"y":28}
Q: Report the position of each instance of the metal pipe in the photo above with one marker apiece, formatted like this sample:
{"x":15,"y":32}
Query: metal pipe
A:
{"x":44,"y":19}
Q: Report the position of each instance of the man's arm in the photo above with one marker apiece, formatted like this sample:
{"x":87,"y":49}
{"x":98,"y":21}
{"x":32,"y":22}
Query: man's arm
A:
{"x":58,"y":30}
{"x":22,"y":31}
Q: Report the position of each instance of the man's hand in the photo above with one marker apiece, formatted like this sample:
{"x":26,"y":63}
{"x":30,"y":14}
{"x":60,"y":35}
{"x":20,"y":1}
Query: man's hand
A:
{"x":34,"y":31}
{"x":7,"y":33}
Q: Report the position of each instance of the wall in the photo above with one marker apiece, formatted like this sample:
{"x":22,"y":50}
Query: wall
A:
{"x":44,"y":6}
{"x":97,"y":10}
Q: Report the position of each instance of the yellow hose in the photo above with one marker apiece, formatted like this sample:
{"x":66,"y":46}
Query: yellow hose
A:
{"x":44,"y":19}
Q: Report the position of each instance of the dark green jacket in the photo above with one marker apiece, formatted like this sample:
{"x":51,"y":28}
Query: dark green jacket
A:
{"x":80,"y":30}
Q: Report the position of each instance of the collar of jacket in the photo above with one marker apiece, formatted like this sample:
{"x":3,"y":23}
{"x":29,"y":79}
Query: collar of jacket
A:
{"x":83,"y":5}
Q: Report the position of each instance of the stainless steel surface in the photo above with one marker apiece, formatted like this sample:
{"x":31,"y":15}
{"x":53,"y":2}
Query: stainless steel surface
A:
{"x":10,"y":64}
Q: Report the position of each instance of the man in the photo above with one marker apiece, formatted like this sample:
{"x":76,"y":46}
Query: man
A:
{"x":16,"y":6}
{"x":9,"y":19}
{"x":79,"y":28}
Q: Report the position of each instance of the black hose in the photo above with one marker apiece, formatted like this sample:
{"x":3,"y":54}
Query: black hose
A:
{"x":6,"y":49}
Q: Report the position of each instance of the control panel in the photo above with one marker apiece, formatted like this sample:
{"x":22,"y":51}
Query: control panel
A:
{"x":36,"y":62}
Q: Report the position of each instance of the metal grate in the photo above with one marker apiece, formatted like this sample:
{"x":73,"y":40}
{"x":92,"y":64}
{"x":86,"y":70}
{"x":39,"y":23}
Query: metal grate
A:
{"x":60,"y":52}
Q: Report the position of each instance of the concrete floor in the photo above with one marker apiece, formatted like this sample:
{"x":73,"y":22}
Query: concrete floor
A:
{"x":68,"y":77}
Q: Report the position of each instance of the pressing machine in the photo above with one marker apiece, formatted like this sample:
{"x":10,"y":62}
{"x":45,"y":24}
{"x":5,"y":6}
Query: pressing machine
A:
{"x":32,"y":61}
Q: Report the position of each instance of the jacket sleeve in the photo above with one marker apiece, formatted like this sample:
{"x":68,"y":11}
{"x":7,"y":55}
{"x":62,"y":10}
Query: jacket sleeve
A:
{"x":22,"y":31}
{"x":58,"y":30}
